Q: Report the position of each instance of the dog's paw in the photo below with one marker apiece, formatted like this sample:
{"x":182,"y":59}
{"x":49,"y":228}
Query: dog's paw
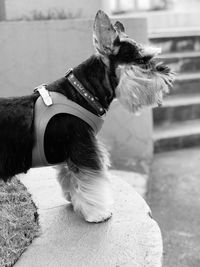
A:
{"x":98,"y":217}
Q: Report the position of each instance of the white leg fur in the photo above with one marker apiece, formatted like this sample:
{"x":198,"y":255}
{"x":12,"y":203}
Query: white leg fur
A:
{"x":89,"y":192}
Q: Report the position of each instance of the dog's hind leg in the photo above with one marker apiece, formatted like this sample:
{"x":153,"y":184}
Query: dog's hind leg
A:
{"x":88,"y":187}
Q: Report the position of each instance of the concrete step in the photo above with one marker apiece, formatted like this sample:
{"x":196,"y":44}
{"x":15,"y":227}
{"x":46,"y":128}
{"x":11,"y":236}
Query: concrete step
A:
{"x":184,"y":62}
{"x":177,"y":40}
{"x":173,"y":195}
{"x":186,"y":84}
{"x":176,"y":109}
{"x":176,"y":136}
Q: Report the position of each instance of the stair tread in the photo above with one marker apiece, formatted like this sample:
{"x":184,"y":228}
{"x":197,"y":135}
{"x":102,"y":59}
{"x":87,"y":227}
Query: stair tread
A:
{"x":181,"y":100}
{"x":180,"y":55}
{"x":174,"y":32}
{"x":188,"y":76}
{"x":177,"y":129}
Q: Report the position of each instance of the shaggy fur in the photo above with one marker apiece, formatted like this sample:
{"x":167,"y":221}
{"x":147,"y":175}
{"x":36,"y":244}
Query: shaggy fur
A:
{"x":16,"y":135}
{"x":87,"y":189}
{"x":140,"y":87}
{"x":120,"y":68}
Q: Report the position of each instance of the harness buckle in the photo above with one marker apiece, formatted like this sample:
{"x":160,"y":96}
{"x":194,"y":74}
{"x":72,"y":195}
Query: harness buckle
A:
{"x":44,"y":93}
{"x":68,"y":72}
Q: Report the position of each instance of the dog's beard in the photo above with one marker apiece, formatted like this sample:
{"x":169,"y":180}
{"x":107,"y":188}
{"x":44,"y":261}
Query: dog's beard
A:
{"x":139,"y":87}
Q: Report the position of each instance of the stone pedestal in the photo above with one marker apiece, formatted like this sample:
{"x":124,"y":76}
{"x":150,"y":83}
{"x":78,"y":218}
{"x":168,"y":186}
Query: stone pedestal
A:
{"x":130,"y":238}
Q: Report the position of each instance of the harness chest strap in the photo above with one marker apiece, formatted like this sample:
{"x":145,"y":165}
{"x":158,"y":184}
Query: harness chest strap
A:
{"x":43,"y":113}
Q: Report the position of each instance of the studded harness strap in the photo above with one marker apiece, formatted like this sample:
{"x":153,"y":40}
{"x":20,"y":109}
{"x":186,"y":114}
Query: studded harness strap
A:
{"x":48,"y":105}
{"x":87,"y":95}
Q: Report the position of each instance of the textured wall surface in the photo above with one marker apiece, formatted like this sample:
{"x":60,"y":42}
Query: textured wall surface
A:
{"x":19,"y":8}
{"x":32,"y":53}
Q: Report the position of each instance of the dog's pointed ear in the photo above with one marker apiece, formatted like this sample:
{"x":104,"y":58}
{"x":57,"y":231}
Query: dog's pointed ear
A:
{"x":104,"y":35}
{"x":119,"y":27}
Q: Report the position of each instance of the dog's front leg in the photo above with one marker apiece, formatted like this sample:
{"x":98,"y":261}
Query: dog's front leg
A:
{"x":88,"y":187}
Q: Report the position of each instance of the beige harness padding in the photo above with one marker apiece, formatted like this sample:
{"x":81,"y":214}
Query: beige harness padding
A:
{"x":42,"y":115}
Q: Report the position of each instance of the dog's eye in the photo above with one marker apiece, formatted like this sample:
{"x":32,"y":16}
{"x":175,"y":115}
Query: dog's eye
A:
{"x":128,"y":53}
{"x":139,"y":61}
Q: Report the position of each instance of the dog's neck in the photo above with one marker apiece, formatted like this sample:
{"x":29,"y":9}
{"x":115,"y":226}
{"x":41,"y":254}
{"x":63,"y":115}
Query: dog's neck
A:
{"x":95,"y":77}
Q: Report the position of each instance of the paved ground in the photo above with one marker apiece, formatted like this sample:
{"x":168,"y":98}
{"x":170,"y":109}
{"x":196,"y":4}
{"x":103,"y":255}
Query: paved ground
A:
{"x":130,"y":238}
{"x":174,"y":197}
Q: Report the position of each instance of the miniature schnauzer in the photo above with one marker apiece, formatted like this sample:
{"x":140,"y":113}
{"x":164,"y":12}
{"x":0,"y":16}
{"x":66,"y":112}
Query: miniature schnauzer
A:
{"x":57,"y":124}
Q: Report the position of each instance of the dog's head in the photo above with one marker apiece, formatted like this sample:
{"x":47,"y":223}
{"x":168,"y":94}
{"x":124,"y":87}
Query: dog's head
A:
{"x":141,"y":80}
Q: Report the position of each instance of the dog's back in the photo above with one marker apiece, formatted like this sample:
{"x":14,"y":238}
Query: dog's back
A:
{"x":16,"y":135}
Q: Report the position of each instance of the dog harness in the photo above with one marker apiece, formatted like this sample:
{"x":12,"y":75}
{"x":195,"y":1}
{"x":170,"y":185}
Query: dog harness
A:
{"x":48,"y":105}
{"x":92,"y":101}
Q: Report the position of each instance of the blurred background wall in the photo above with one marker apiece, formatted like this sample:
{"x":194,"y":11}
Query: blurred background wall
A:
{"x":20,"y":8}
{"x":16,"y":9}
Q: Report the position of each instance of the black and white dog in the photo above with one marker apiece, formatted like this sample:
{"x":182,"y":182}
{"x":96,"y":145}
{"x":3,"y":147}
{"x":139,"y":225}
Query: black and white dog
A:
{"x":120,"y":69}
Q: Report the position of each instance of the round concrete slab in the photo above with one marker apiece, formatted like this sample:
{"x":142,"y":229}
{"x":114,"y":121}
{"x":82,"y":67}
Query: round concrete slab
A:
{"x":130,"y":238}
